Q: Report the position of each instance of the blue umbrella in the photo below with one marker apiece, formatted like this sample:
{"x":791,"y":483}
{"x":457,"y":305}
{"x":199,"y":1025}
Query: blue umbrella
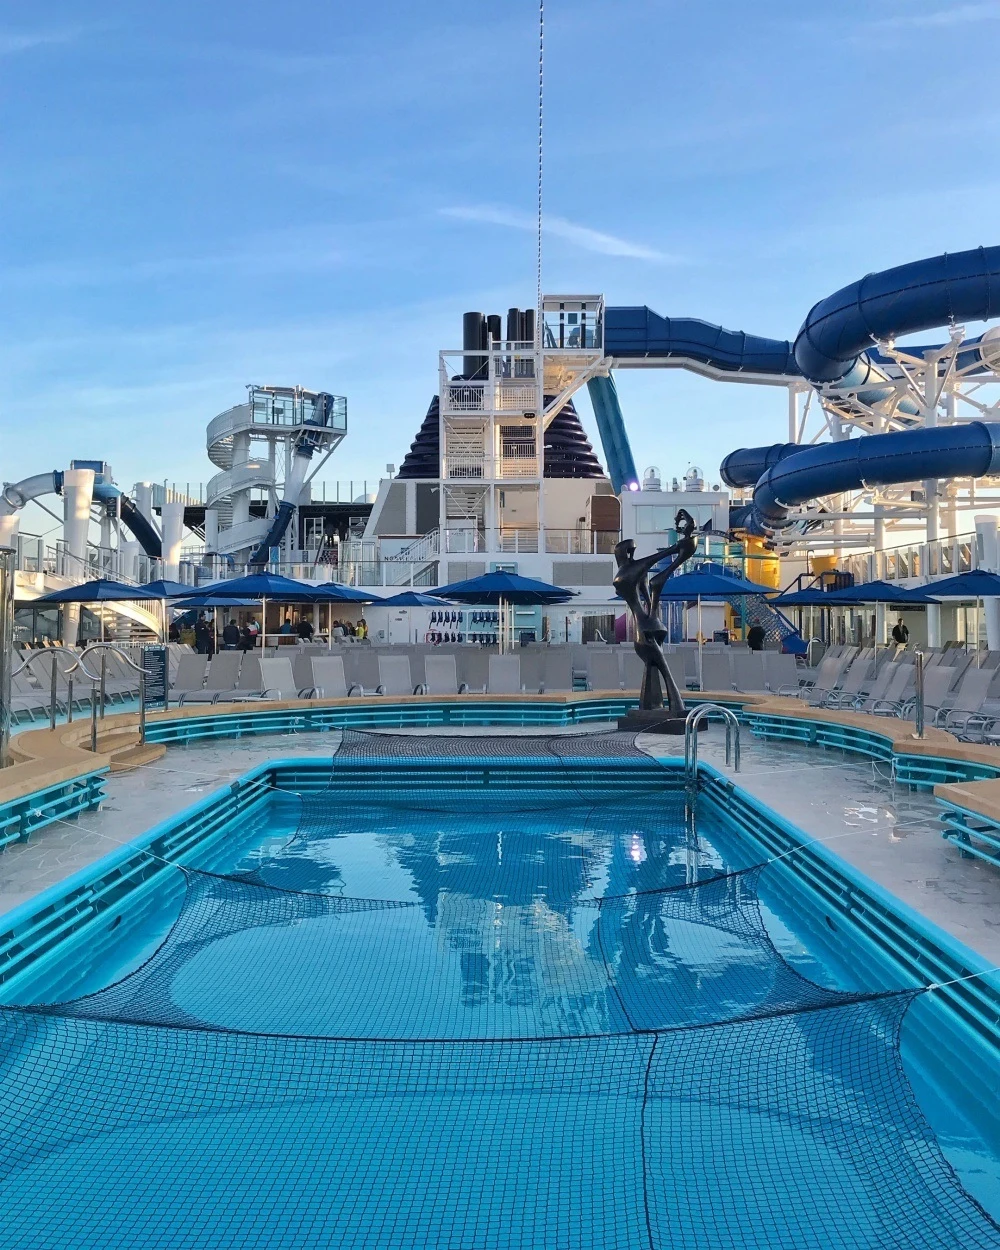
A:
{"x":413,"y":599}
{"x":503,"y":589}
{"x":336,"y":592}
{"x":261,"y":586}
{"x":212,"y":601}
{"x":976,"y":584}
{"x":163,"y":588}
{"x":499,"y":588}
{"x":709,"y":583}
{"x":102,"y":590}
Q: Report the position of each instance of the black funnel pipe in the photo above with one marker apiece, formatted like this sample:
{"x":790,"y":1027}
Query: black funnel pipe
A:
{"x":474,"y":340}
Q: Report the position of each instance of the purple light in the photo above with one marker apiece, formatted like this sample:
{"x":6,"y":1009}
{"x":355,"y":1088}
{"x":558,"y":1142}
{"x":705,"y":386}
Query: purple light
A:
{"x":633,"y":485}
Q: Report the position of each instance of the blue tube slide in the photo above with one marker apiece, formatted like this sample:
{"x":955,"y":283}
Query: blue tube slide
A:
{"x":639,"y":335}
{"x":140,"y":527}
{"x":938,"y":291}
{"x":633,"y":335}
{"x":971,"y":450}
{"x":614,"y":438}
{"x":831,"y":347}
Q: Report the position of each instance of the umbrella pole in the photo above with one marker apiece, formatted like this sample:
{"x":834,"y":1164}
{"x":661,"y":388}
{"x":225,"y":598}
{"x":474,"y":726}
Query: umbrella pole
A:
{"x":164,"y":631}
{"x":978,"y":602}
{"x":263,"y":624}
{"x":701,"y":665}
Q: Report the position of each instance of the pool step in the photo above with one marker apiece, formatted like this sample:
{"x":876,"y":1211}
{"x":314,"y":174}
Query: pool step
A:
{"x":125,"y":750}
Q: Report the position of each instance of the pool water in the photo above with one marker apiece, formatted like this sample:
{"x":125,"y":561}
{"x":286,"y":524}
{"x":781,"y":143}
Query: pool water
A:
{"x":461,"y":1019}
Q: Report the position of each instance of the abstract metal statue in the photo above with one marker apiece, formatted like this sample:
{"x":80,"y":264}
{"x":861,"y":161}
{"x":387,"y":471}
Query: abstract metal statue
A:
{"x":642,"y":595}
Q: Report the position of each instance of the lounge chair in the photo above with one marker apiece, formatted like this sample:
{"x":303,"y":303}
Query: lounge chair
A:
{"x":504,"y":675}
{"x":603,"y":672}
{"x":441,"y":676}
{"x":190,"y":676}
{"x":965,"y":716}
{"x":223,"y":674}
{"x":715,"y":671}
{"x":748,"y":671}
{"x":780,"y":670}
{"x":328,"y":680}
{"x":394,"y":676}
{"x":557,"y":672}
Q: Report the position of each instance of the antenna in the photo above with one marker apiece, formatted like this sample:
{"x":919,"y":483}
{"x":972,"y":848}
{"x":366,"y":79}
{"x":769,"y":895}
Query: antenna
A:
{"x":541,"y":118}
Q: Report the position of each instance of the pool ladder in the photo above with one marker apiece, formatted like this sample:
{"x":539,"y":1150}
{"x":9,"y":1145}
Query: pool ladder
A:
{"x":693,"y":720}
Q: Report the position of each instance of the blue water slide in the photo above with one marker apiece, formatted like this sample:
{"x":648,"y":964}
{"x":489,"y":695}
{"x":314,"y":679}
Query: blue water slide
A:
{"x":971,"y":450}
{"x":938,"y":291}
{"x":141,"y":528}
{"x":639,"y":335}
{"x":634,"y":336}
{"x":832,"y":347}
{"x":614,"y":438}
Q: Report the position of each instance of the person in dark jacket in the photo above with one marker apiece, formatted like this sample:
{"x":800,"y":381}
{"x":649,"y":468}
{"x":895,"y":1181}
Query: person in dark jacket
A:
{"x":304,"y":630}
{"x":755,"y":637}
{"x":231,"y":635}
{"x":900,"y":634}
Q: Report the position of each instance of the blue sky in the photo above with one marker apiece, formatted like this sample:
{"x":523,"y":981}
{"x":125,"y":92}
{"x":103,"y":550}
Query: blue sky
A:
{"x":196,"y":196}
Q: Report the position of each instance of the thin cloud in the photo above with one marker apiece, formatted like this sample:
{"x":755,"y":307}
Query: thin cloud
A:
{"x":12,"y":44}
{"x":957,"y":15}
{"x":560,"y":228}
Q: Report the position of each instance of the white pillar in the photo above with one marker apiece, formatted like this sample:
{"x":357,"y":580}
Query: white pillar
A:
{"x":144,"y":500}
{"x":211,"y":529}
{"x":986,"y":534}
{"x":173,"y":535}
{"x":129,"y":553}
{"x":78,"y":495}
{"x":8,"y":529}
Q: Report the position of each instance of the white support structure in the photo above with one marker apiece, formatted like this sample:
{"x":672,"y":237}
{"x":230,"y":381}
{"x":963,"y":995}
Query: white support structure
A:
{"x":495,"y":406}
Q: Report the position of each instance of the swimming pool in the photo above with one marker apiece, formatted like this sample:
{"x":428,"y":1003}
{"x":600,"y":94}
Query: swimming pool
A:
{"x":444,"y":999}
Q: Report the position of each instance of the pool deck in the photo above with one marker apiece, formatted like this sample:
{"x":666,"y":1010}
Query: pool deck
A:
{"x":888,"y":832}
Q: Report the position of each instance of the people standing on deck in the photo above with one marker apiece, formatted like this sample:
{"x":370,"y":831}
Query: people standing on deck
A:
{"x":248,"y":640}
{"x":900,"y":634}
{"x":304,"y":630}
{"x":231,"y":635}
{"x":755,"y":637}
{"x":204,"y":639}
{"x":362,"y":628}
{"x":253,"y":629}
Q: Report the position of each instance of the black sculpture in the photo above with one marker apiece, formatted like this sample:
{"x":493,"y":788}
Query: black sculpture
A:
{"x":642,"y":595}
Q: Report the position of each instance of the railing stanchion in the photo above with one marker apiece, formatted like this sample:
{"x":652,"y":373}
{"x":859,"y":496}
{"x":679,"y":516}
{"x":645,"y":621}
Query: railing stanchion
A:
{"x":52,"y":693}
{"x":69,"y":700}
{"x":918,"y":707}
{"x":93,"y":718}
{"x":104,"y":681}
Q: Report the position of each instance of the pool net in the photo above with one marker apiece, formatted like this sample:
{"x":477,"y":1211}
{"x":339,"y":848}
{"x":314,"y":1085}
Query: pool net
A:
{"x":516,"y":1067}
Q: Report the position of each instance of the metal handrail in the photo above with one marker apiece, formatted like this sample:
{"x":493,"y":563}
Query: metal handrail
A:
{"x":96,"y":680}
{"x":691,"y":723}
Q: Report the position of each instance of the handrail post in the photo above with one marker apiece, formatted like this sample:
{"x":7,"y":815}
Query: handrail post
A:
{"x":142,"y":706}
{"x":918,"y":708}
{"x":69,"y":700}
{"x":104,"y":680}
{"x":52,"y":693}
{"x":93,"y":718}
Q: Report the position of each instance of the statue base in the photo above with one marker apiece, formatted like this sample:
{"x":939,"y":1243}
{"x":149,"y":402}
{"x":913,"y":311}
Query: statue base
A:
{"x":655,"y":721}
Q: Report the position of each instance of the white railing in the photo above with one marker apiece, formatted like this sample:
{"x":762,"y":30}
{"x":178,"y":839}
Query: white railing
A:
{"x":944,"y":557}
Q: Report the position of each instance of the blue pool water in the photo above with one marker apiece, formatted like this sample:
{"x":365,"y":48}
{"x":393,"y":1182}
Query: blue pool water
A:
{"x":464,"y":1019}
